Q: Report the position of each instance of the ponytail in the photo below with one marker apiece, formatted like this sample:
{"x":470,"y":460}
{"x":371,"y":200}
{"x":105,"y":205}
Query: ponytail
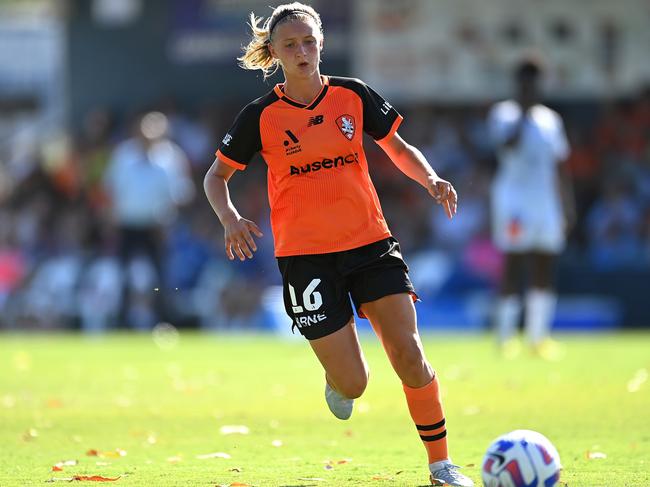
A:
{"x":257,"y":54}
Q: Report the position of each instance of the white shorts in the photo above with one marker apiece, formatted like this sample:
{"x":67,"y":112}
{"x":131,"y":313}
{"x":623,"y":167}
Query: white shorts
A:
{"x":527,"y":227}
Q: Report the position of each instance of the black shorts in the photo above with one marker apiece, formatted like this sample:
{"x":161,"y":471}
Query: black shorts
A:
{"x":317,"y":288}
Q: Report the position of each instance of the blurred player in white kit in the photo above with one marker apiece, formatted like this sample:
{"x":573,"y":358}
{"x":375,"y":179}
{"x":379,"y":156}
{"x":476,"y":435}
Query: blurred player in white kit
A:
{"x":532,"y":209}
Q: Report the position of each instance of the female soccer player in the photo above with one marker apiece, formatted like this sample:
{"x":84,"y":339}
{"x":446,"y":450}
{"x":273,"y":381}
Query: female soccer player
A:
{"x":331,"y":239}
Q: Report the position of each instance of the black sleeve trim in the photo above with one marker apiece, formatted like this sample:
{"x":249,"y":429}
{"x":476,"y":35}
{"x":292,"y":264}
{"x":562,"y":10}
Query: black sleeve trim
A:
{"x":243,"y":139}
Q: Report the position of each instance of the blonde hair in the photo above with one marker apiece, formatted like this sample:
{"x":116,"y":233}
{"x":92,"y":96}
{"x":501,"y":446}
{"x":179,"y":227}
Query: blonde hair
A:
{"x":257,"y":54}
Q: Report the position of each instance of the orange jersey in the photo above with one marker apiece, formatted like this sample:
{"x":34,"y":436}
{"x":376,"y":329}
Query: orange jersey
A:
{"x":320,"y":193}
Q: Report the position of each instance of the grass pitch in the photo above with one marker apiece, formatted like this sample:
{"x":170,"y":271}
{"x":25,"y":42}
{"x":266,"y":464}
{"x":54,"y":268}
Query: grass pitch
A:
{"x":157,"y":414}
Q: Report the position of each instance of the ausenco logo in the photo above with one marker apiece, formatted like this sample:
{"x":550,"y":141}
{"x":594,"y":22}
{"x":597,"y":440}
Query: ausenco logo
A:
{"x":338,"y":161}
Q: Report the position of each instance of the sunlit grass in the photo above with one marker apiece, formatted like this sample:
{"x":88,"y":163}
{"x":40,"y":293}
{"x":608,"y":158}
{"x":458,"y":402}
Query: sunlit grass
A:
{"x":150,"y":413}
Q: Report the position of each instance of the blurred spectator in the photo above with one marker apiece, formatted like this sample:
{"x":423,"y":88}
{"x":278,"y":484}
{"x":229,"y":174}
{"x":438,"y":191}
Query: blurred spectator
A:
{"x":148,"y":178}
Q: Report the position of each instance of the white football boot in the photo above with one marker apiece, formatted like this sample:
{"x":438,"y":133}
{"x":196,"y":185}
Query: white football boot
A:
{"x":340,"y":406}
{"x":446,"y":473}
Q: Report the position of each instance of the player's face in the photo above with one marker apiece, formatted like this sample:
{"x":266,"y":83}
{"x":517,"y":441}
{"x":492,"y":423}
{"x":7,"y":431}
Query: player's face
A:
{"x":297,"y":44}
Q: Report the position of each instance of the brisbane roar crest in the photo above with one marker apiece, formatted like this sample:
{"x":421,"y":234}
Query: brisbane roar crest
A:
{"x":346,"y":125}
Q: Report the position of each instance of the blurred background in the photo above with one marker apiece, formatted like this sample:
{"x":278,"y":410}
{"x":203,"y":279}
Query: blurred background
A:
{"x":86,"y":244}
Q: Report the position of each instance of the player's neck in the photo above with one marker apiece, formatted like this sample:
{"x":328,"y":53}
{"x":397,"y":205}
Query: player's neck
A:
{"x":303,"y":90}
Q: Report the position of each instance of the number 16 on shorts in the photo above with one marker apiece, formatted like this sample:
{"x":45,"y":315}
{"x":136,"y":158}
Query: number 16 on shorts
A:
{"x":312,"y":300}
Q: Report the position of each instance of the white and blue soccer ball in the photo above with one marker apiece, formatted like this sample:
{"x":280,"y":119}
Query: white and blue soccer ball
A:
{"x":521,"y":458}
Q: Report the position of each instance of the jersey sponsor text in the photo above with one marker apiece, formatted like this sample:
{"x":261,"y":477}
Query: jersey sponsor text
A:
{"x":324,"y":164}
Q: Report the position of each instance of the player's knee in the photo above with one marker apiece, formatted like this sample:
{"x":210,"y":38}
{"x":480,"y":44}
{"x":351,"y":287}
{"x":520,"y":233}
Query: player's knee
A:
{"x":411,"y":365}
{"x":354,"y":385}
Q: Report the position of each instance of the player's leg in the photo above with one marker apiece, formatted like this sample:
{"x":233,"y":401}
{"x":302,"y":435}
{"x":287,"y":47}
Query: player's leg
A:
{"x":508,"y":306}
{"x":541,"y":298}
{"x":394,"y":320}
{"x":511,"y":235}
{"x":316,"y":298}
{"x":382,"y":291}
{"x":346,"y":370}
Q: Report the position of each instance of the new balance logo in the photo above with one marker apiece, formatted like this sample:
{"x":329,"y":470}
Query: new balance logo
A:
{"x":226,"y":140}
{"x":317,"y":120}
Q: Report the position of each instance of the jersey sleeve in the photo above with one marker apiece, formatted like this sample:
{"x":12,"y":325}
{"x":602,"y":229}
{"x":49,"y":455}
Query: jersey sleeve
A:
{"x":242,"y":140}
{"x":380,"y":119}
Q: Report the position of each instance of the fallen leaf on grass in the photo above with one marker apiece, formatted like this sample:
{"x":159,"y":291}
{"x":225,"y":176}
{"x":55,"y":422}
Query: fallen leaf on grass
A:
{"x":234,"y":429}
{"x":380,"y":477}
{"x":640,"y":377}
{"x":106,"y":454}
{"x":30,"y":434}
{"x":95,"y":478}
{"x":595,"y":455}
{"x":84,"y":478}
{"x":470,"y":465}
{"x":218,"y":454}
{"x":175,"y":459}
{"x":54,"y":403}
{"x":58,"y":467}
{"x":329,"y":464}
{"x":235,"y":469}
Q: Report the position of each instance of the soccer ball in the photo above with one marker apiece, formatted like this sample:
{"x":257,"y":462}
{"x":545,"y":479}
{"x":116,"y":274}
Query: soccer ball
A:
{"x":521,"y":458}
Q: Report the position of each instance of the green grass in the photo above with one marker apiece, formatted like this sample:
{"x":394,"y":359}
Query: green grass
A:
{"x":124,"y":392}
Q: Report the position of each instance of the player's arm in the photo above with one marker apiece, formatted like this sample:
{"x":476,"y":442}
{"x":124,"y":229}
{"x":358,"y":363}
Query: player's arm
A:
{"x":515,"y":136}
{"x":237,"y":230}
{"x":566,"y":196}
{"x":412,"y":162}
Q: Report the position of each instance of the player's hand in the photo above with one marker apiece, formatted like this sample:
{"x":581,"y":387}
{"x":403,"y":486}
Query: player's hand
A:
{"x":238,"y":238}
{"x":444,"y":194}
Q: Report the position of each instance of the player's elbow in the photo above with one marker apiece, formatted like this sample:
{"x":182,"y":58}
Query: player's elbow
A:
{"x":210,"y":181}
